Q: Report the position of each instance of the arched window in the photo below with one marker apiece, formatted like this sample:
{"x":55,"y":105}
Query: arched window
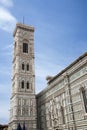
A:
{"x":27,"y":85}
{"x":84,"y":97}
{"x":22,"y":84}
{"x":25,"y":47}
{"x":27,"y":67}
{"x":22,"y":66}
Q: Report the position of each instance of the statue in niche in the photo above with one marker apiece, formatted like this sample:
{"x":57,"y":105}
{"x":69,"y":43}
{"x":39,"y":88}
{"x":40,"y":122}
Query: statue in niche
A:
{"x":53,"y":113}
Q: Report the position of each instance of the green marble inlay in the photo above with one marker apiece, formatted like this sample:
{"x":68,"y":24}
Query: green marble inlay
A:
{"x":53,"y":90}
{"x":78,"y":74}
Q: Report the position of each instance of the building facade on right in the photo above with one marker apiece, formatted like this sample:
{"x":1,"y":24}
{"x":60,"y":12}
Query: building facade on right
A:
{"x":63,"y":104}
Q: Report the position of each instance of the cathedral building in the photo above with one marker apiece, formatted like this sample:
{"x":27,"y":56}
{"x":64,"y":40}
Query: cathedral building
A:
{"x":62,"y":105}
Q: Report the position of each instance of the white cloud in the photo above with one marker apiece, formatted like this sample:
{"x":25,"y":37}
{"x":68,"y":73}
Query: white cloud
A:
{"x":7,"y":20}
{"x":6,"y":3}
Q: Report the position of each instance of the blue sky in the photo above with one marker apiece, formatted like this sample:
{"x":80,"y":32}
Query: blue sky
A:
{"x":60,"y":38}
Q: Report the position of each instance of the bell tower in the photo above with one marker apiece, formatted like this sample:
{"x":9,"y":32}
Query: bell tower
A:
{"x":23,"y":100}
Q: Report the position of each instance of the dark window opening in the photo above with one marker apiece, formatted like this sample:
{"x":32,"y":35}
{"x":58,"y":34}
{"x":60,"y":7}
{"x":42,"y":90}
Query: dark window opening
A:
{"x":22,"y":85}
{"x":23,"y":66}
{"x":27,"y":67}
{"x":25,"y":47}
{"x":27,"y":85}
{"x":84,"y":98}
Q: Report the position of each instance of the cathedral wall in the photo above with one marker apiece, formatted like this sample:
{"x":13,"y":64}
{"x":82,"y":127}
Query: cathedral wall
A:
{"x":62,"y":105}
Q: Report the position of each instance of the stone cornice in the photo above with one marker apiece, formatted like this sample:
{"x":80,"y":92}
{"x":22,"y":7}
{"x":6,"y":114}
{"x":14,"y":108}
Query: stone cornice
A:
{"x":24,"y":27}
{"x":67,"y":68}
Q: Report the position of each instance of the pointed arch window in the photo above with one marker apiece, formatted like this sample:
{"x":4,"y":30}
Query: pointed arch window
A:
{"x":22,"y":84}
{"x":25,"y":47}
